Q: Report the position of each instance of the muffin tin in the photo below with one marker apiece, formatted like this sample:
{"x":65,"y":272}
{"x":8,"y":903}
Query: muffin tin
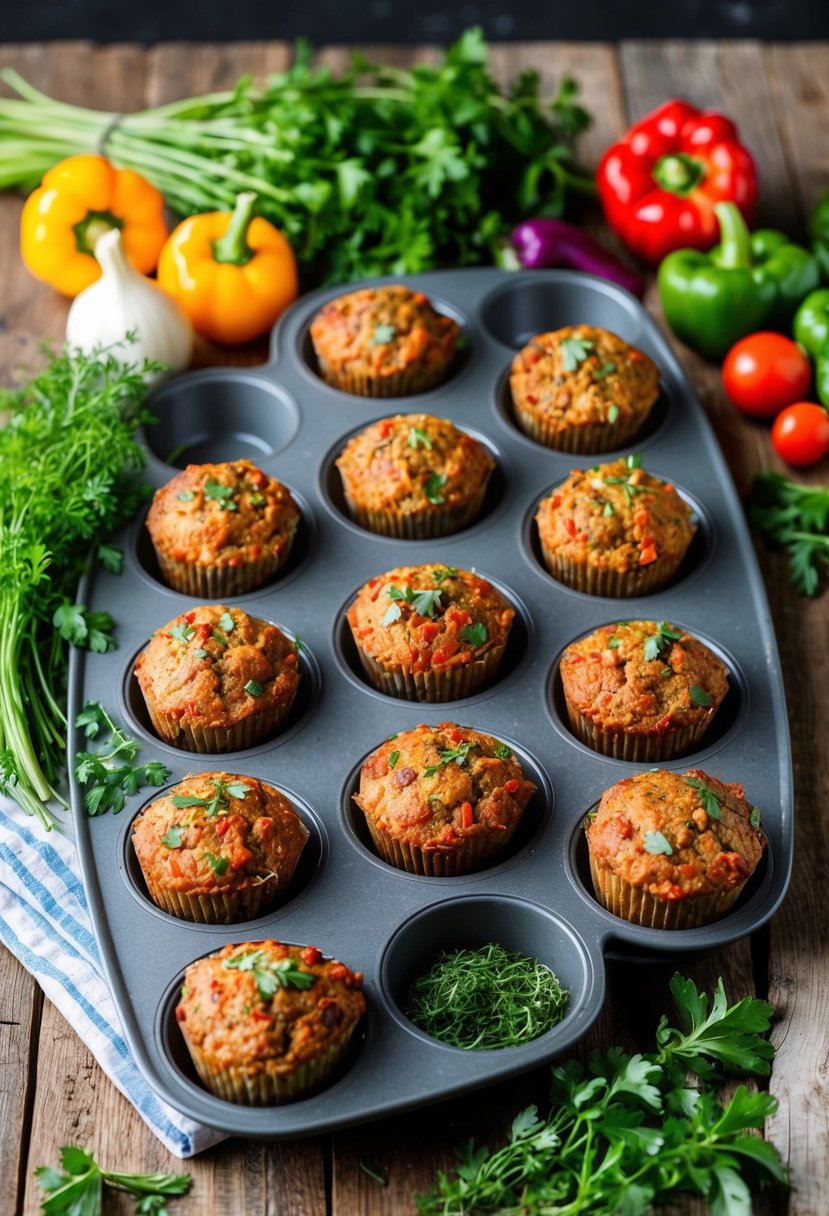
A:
{"x":344,"y":899}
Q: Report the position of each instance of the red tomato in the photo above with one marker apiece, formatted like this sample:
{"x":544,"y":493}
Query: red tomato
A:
{"x":800,"y":433}
{"x":765,"y":372}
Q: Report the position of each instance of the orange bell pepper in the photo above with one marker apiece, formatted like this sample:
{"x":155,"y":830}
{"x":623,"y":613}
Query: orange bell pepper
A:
{"x":231,"y":272}
{"x":78,"y":200}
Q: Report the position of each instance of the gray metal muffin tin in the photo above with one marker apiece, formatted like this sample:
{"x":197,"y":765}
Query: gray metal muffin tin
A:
{"x":344,"y":900}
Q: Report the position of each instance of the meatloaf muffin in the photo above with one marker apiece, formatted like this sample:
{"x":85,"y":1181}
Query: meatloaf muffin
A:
{"x":221,"y":529}
{"x":442,"y":800}
{"x":414,"y":476}
{"x":614,"y":530}
{"x":582,"y":389}
{"x":266,"y":1023}
{"x":383,"y":342}
{"x":430,"y":633}
{"x":215,"y":679}
{"x":672,"y":850}
{"x":641,"y":690}
{"x":218,"y":848}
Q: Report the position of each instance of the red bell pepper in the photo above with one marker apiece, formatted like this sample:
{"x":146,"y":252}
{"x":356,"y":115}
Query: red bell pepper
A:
{"x":658,"y":185}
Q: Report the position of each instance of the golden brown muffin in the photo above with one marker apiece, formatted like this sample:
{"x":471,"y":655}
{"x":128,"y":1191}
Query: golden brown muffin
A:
{"x":671,"y":850}
{"x":614,"y":530}
{"x":414,"y":476}
{"x":442,"y":800}
{"x":218,"y":847}
{"x":267,"y":1023}
{"x":641,"y":690}
{"x":430,"y":633}
{"x":222,"y":529}
{"x":582,"y":389}
{"x":383,"y":342}
{"x":215,"y":679}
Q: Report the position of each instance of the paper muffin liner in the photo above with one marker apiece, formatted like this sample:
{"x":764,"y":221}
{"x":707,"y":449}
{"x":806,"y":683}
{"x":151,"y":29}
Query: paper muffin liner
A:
{"x":215,"y":739}
{"x":466,"y":855}
{"x":263,"y":1083}
{"x":636,"y":746}
{"x":449,"y":684}
{"x":218,"y":908}
{"x":363,"y":383}
{"x":425,"y":524}
{"x":594,"y":580}
{"x":593,"y":439}
{"x":216,"y":583}
{"x":641,"y":908}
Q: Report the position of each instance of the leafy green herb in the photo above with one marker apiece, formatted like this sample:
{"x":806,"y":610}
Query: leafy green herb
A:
{"x":109,"y":780}
{"x":223,"y":495}
{"x":659,"y":641}
{"x":419,"y":438}
{"x":754,"y":818}
{"x":626,"y":1133}
{"x":217,"y":864}
{"x":502,"y":751}
{"x":608,"y":509}
{"x":706,"y":796}
{"x":254,"y":689}
{"x":172,"y":837}
{"x":269,"y":973}
{"x":69,"y":467}
{"x":185,"y":496}
{"x":201,"y":653}
{"x":475,"y":634}
{"x":796,"y":518}
{"x":612,"y":412}
{"x":656,"y":843}
{"x":574,"y":351}
{"x":425,"y":602}
{"x":257,"y":500}
{"x":383,"y":334}
{"x":226,"y":622}
{"x":79,"y":1190}
{"x":432,"y":489}
{"x":700,"y":697}
{"x":614,"y":642}
{"x":448,"y":755}
{"x":182,"y":633}
{"x":84,"y":629}
{"x":486,"y":998}
{"x":600,"y":373}
{"x":444,"y":573}
{"x":634,"y":460}
{"x":393,"y":758}
{"x":224,"y":790}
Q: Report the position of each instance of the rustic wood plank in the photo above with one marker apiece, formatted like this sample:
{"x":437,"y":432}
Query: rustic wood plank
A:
{"x":800,"y":91}
{"x":20,"y":1008}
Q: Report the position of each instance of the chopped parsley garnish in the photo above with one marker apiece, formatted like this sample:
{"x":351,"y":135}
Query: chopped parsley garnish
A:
{"x":219,"y":637}
{"x":383,"y":334}
{"x":432,"y":489}
{"x":393,"y":758}
{"x":217,"y":864}
{"x":223,"y":495}
{"x":706,"y":796}
{"x":257,"y":500}
{"x":612,"y":413}
{"x":475,"y":634}
{"x":185,"y":496}
{"x":754,"y":818}
{"x":574,"y":351}
{"x":219,"y":801}
{"x":172,"y":837}
{"x":423,"y":601}
{"x":599,"y":373}
{"x":227,"y":622}
{"x":629,"y":487}
{"x":182,"y":633}
{"x":700,"y":697}
{"x":445,"y":572}
{"x":254,"y":689}
{"x":656,"y":843}
{"x":614,"y":642}
{"x":634,"y":460}
{"x":201,"y":653}
{"x":608,"y":509}
{"x":270,"y":974}
{"x":419,"y":438}
{"x":502,"y":751}
{"x":448,"y":755}
{"x":657,"y":642}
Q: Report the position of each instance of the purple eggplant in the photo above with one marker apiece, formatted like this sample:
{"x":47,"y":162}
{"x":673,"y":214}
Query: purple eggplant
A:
{"x":542,"y":243}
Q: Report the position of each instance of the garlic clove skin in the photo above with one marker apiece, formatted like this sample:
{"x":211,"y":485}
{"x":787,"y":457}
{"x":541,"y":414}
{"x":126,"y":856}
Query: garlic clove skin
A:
{"x":123,"y":301}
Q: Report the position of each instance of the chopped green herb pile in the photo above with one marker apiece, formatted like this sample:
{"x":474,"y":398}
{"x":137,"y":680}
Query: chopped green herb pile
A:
{"x":270,"y":974}
{"x":627,"y":1132}
{"x":486,"y":998}
{"x":796,"y":518}
{"x":79,"y":1190}
{"x":110,"y":774}
{"x":67,"y":459}
{"x":378,"y":171}
{"x":219,"y":801}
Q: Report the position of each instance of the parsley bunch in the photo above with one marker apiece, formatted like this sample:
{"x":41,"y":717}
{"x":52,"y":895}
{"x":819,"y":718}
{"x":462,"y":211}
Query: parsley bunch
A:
{"x":796,"y":518}
{"x":378,"y":171}
{"x":111,"y":775}
{"x":79,"y":1190}
{"x":67,"y":462}
{"x":626,"y":1132}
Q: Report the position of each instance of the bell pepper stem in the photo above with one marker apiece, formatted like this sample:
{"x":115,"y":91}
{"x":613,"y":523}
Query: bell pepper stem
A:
{"x":678,"y":173}
{"x":735,"y":241}
{"x":233,"y":245}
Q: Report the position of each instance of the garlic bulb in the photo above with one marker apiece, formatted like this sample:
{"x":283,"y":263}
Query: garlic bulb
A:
{"x":123,"y":301}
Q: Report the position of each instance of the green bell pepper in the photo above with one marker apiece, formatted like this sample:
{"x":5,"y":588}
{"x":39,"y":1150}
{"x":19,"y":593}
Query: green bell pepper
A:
{"x":747,"y":282}
{"x":811,"y":330}
{"x":819,"y":229}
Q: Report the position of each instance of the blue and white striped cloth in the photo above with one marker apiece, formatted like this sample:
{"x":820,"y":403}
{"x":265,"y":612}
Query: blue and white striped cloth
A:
{"x":44,"y":921}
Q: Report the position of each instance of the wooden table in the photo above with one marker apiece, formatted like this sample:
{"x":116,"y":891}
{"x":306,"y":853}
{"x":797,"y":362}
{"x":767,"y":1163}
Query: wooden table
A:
{"x":51,"y":1090}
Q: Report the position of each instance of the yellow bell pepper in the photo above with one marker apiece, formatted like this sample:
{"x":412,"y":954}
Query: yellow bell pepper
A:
{"x":231,"y":272}
{"x":78,"y":200}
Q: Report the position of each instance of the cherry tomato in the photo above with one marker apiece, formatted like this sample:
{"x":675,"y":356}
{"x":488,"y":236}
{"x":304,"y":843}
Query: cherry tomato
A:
{"x":765,"y":372}
{"x":800,"y":434}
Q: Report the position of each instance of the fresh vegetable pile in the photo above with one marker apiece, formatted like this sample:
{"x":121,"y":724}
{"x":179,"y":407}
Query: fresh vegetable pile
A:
{"x":379,"y":171}
{"x":628,"y":1131}
{"x":68,"y":459}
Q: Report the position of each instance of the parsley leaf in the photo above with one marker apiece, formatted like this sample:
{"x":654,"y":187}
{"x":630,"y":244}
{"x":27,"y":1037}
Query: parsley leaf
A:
{"x":383,"y":334}
{"x":432,"y":489}
{"x":700,"y":697}
{"x":172,"y":837}
{"x":419,"y":438}
{"x":185,"y":496}
{"x":217,"y":864}
{"x":182,"y":633}
{"x":448,"y":755}
{"x":226,"y":622}
{"x":109,"y":780}
{"x":706,"y":796}
{"x":424,"y":602}
{"x":84,"y":629}
{"x":254,"y":689}
{"x":223,"y":495}
{"x":270,"y":974}
{"x":475,"y":634}
{"x":502,"y":751}
{"x":599,"y":373}
{"x":655,"y":842}
{"x":79,"y":1190}
{"x":393,"y":758}
{"x":219,"y":800}
{"x":574,"y":351}
{"x":657,"y":642}
{"x":796,"y":518}
{"x":445,"y":572}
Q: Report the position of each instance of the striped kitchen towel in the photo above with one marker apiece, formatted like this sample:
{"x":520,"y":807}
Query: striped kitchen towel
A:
{"x":44,"y":922}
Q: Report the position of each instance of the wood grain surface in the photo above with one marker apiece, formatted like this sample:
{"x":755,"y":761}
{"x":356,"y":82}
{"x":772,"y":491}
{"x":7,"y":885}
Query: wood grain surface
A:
{"x":51,"y":1090}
